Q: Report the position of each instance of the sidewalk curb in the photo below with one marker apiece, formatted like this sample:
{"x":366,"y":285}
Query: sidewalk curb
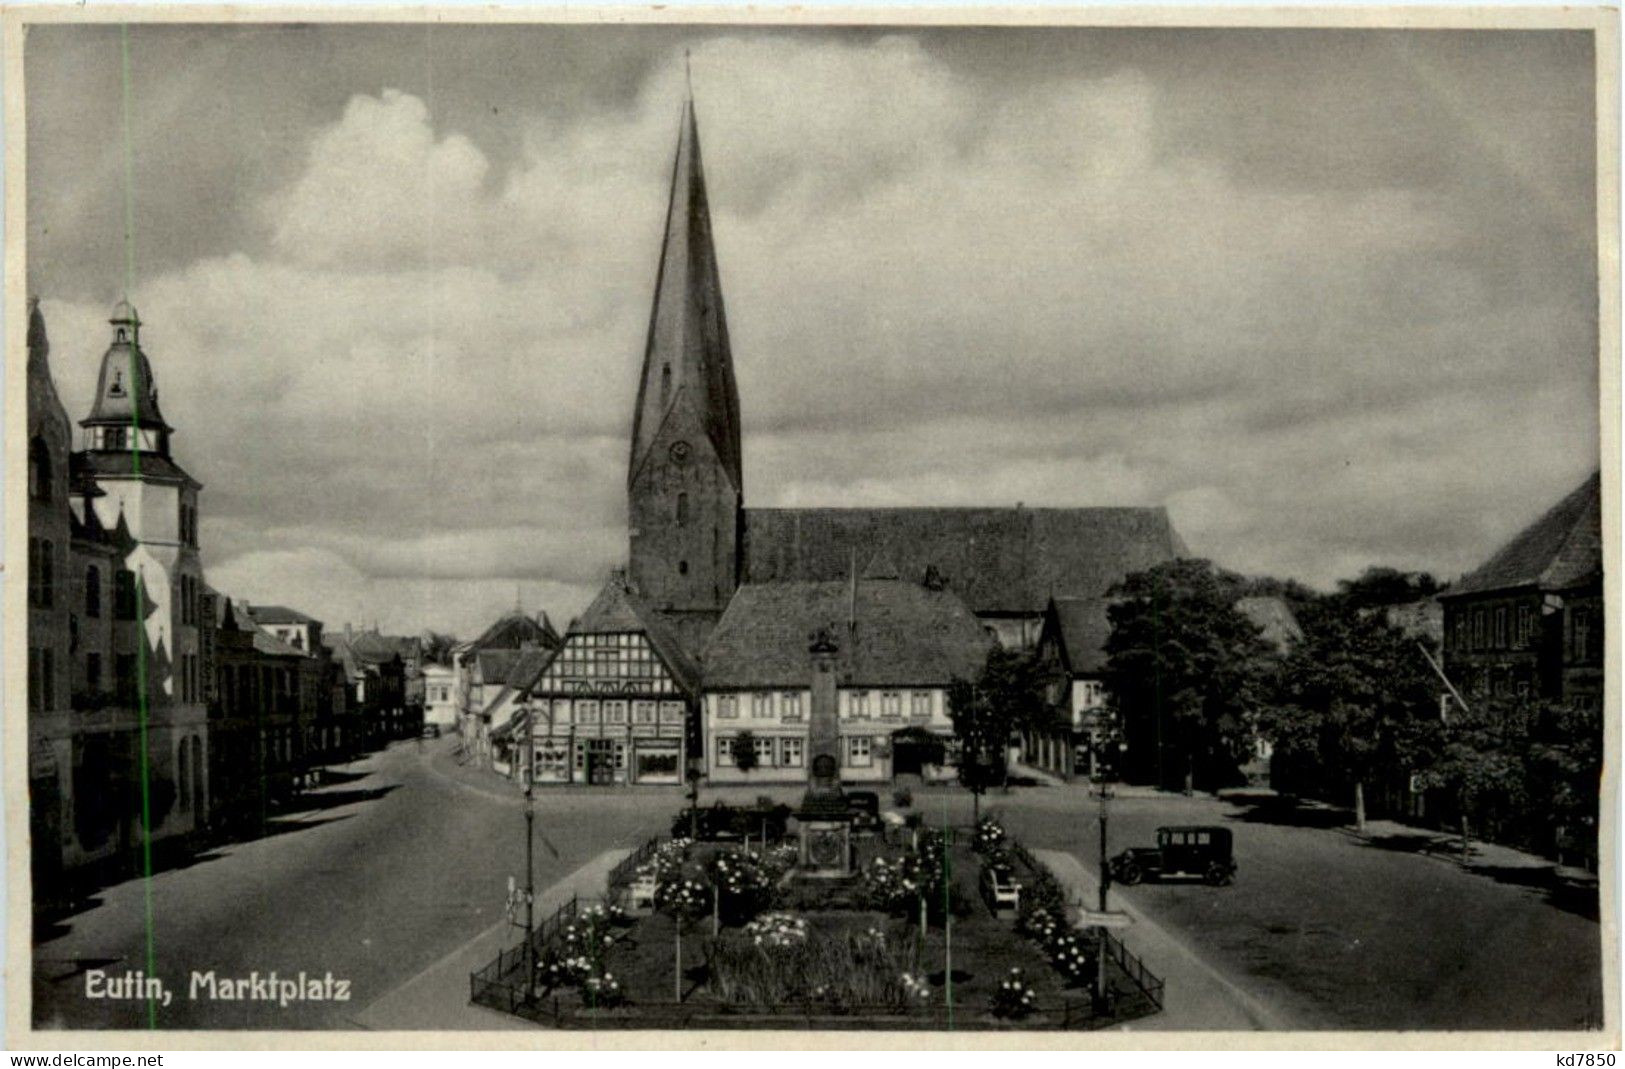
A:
{"x":437,"y":996}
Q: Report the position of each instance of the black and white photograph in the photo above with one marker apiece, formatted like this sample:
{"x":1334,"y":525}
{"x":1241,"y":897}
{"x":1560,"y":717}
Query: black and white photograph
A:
{"x":1035,"y":529}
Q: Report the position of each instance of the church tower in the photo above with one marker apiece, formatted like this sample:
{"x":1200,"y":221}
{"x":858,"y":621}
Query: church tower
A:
{"x":684,"y":483}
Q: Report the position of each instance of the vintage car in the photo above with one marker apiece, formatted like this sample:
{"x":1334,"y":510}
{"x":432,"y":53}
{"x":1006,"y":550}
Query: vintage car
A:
{"x":1200,"y":851}
{"x":721,"y":823}
{"x":865,"y":809}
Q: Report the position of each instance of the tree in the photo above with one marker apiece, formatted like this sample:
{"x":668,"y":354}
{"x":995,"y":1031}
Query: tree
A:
{"x":1185,"y":672}
{"x":1565,"y":761}
{"x":1007,"y":694}
{"x":1478,"y":757}
{"x":745,"y":751}
{"x":1349,"y":695}
{"x":1378,"y":587}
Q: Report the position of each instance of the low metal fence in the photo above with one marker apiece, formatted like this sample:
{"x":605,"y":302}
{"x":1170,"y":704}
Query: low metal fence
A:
{"x":622,"y":874}
{"x":501,"y":984}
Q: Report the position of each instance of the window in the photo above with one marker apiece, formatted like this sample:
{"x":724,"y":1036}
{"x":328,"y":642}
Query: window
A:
{"x":919,"y":705}
{"x":33,"y":571}
{"x":1500,"y":628}
{"x":891,"y":704}
{"x":1478,"y":629}
{"x":682,"y":567}
{"x":643,"y":712}
{"x":790,"y":751}
{"x":47,"y":579}
{"x":113,"y":438}
{"x":614,"y":712}
{"x":93,"y":672}
{"x":35,"y":672}
{"x":587,"y":712}
{"x":725,"y":750}
{"x":858,"y":751}
{"x":859,"y":704}
{"x":93,"y":592}
{"x":1581,"y":644}
{"x":790,"y":705}
{"x":764,"y":751}
{"x":124,"y":676}
{"x":728,"y":706}
{"x":1526,"y":625}
{"x":665,"y":384}
{"x":39,"y":470}
{"x":682,"y":509}
{"x":124,"y":594}
{"x":761,"y":705}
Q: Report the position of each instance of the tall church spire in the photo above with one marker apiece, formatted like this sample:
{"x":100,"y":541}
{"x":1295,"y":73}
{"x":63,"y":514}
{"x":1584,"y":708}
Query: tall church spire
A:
{"x":686,"y":362}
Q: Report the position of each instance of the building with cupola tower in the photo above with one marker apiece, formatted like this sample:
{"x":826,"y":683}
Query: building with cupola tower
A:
{"x":119,"y":678}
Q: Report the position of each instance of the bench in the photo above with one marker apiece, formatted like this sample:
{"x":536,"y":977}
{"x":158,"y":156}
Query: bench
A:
{"x":1003,"y":894}
{"x":640,"y":895}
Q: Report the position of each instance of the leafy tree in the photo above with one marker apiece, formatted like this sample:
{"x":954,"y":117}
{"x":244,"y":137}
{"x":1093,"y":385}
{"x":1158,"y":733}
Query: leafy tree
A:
{"x":745,"y":751}
{"x":1006,"y":696}
{"x":1380,"y":586}
{"x":1565,"y":762}
{"x":1478,"y":756}
{"x":1349,"y":696}
{"x":1185,"y":672}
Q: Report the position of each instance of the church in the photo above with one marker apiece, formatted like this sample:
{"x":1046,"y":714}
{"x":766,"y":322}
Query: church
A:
{"x":909,"y":597}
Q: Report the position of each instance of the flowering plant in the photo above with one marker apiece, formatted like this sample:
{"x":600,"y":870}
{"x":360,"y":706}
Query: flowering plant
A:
{"x":1014,"y":998}
{"x":742,"y":890}
{"x":1072,"y":957}
{"x":989,"y":836}
{"x":777,"y":930}
{"x":668,"y":858}
{"x":915,"y":988}
{"x":562,"y":970}
{"x":602,"y":991}
{"x":681,"y":897}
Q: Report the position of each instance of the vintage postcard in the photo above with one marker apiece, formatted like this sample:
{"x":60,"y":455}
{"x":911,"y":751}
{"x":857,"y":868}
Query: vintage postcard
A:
{"x":1051,"y":529}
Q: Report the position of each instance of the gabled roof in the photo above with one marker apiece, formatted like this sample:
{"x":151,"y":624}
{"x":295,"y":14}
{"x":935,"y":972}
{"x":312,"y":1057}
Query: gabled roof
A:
{"x":999,"y":560}
{"x":513,"y":630}
{"x":279,"y":614}
{"x":616,"y":610}
{"x":1274,"y":619}
{"x":905,"y":635}
{"x":1082,"y":627}
{"x":1559,"y":551}
{"x":495,"y":665}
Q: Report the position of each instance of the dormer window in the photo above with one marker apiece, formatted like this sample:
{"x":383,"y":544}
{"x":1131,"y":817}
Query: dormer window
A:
{"x":117,"y":388}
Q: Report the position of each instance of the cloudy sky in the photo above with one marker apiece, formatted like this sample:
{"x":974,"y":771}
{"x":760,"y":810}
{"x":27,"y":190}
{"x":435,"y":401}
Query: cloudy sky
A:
{"x":1327,"y":295}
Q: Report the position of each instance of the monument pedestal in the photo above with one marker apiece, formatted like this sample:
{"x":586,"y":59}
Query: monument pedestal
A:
{"x":826,"y":835}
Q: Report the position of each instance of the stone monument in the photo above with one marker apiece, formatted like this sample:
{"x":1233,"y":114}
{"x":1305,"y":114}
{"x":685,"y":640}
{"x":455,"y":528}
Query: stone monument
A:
{"x":826,"y":821}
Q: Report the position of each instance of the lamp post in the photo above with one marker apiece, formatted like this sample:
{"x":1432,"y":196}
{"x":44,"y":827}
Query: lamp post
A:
{"x":530,"y":850}
{"x":1104,"y":794}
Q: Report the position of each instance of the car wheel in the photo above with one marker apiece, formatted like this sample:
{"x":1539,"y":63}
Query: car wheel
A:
{"x":1217,"y":875}
{"x":1129,"y":874}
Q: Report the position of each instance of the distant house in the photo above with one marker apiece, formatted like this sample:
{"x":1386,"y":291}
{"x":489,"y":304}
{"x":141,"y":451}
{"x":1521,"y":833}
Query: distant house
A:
{"x":891,"y":649}
{"x":439,"y":696}
{"x":1071,"y":736}
{"x":1529,"y":621}
{"x":512,"y":631}
{"x":375,"y":678}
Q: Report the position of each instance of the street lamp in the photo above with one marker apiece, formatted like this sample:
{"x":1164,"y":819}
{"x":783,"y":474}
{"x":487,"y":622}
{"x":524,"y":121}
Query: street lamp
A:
{"x":530,"y":849}
{"x":1103,"y":792}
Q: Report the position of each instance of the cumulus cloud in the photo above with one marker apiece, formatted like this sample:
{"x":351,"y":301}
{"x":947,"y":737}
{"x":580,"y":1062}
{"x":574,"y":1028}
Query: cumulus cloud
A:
{"x":416,"y":391}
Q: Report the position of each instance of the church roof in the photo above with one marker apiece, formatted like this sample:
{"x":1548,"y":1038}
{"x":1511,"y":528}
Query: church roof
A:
{"x":904,"y":635}
{"x":686,"y":360}
{"x":997,"y":560}
{"x":1559,"y":551}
